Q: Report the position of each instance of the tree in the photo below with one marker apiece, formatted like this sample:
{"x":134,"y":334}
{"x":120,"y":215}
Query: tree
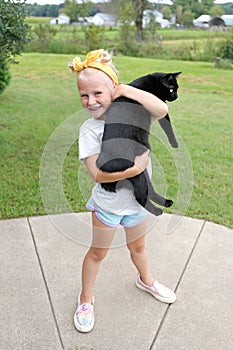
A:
{"x":14,"y":35}
{"x":179,"y":13}
{"x":94,"y":36}
{"x":207,"y":4}
{"x":71,"y":9}
{"x":152,"y":25}
{"x":167,"y":12}
{"x":139,"y":7}
{"x":194,"y":5}
{"x":75,"y":10}
{"x":127,"y":33}
{"x":187,"y":19}
{"x":216,"y":11}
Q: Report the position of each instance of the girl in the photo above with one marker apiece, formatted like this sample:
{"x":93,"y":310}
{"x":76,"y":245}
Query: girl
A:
{"x":97,"y":81}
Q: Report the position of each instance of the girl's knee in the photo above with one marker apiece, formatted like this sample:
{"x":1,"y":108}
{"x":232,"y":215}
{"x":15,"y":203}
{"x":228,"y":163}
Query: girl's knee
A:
{"x":136,"y":248}
{"x":97,"y":254}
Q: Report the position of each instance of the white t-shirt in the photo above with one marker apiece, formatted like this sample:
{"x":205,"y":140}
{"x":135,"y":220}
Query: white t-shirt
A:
{"x":121,"y":202}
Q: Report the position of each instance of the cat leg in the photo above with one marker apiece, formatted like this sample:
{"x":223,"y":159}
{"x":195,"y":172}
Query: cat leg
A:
{"x":154,"y":196}
{"x":153,"y":209}
{"x":165,"y":124}
{"x":140,"y":185}
{"x":109,"y":186}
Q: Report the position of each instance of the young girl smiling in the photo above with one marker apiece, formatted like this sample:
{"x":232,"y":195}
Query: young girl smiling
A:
{"x":97,"y":81}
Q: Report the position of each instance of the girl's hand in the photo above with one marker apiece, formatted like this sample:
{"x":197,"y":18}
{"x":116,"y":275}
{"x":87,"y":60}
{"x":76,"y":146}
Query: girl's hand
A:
{"x":157,"y":108}
{"x":141,"y":162}
{"x":119,"y":91}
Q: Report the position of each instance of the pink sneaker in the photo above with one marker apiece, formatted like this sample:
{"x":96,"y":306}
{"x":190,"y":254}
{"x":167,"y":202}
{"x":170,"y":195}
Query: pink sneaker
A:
{"x":84,"y":316}
{"x":158,"y":291}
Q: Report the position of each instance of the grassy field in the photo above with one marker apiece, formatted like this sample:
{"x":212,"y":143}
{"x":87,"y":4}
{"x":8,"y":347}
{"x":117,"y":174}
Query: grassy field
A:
{"x":185,"y":44}
{"x":112,"y":32}
{"x":42,"y":95}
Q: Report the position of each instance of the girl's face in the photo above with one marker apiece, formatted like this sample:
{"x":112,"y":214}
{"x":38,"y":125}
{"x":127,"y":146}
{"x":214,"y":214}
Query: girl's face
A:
{"x":96,"y":91}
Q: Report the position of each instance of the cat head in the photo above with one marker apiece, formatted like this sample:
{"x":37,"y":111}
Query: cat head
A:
{"x":169,"y":81}
{"x":162,"y":85}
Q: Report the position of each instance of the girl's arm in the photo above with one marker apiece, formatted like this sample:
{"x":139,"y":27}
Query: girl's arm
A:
{"x":140,"y":163}
{"x":157,"y":108}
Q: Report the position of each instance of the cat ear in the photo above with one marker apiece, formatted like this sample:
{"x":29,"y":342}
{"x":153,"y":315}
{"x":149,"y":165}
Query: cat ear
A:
{"x":176,"y":74}
{"x":166,"y":78}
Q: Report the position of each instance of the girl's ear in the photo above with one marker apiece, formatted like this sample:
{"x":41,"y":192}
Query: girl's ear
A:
{"x":114,"y":91}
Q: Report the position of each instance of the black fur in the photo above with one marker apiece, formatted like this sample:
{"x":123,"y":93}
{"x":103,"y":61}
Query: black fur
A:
{"x":164,"y":86}
{"x":126,"y":134}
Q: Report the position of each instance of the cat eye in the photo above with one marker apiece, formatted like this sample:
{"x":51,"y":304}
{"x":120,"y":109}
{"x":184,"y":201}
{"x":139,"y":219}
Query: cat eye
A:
{"x":171,"y":90}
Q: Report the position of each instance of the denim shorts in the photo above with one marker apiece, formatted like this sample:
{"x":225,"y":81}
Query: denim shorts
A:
{"x":113,"y":220}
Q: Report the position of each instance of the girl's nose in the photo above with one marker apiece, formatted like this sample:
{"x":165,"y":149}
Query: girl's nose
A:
{"x":91,"y":100}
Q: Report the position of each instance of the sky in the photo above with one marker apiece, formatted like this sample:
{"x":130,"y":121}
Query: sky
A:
{"x":54,"y":2}
{"x":57,"y":2}
{"x":45,"y":2}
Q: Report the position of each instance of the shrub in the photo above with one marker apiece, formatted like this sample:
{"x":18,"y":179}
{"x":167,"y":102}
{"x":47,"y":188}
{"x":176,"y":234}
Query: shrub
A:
{"x":224,"y":64}
{"x":94,"y":36}
{"x":14,"y":34}
{"x":4,"y":75}
{"x":127,"y":44}
{"x":42,"y":37}
{"x":226,"y":49}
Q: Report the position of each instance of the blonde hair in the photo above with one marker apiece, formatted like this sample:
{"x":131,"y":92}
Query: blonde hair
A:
{"x":98,"y":59}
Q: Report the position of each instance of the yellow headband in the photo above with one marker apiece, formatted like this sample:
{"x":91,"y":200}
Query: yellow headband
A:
{"x":77,"y":65}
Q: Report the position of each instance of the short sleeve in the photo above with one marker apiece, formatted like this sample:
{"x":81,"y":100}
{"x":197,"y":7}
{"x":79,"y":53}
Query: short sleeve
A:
{"x":90,"y":139}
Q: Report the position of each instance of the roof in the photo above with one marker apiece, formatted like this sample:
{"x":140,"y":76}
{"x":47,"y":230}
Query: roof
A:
{"x":105,"y":16}
{"x":161,"y":2}
{"x":203,"y":18}
{"x":222,"y":2}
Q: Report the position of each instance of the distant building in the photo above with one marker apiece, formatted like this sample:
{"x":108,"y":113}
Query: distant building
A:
{"x":103,"y":19}
{"x":157,"y":17}
{"x":202,"y":21}
{"x":205,"y":21}
{"x":228,"y":20}
{"x":61,"y":19}
{"x":216,"y":22}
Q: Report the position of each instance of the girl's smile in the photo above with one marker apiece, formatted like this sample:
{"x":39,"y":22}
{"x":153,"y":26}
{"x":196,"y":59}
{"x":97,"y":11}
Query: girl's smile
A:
{"x":96,"y":92}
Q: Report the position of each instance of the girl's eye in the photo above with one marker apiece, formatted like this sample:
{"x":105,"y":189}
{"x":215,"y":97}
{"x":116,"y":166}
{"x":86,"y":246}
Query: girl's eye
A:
{"x":98,"y":93}
{"x":84,"y":96}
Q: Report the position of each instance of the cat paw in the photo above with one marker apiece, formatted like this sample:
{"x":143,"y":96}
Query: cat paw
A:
{"x":158,"y":212}
{"x":174,"y":145}
{"x":168,"y":203}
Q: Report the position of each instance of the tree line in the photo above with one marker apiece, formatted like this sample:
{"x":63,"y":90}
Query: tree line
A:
{"x":88,"y":8}
{"x":15,"y":33}
{"x":185,"y":11}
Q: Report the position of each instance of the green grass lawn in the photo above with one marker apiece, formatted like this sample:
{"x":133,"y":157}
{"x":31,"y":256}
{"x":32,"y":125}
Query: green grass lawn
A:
{"x":42,"y":95}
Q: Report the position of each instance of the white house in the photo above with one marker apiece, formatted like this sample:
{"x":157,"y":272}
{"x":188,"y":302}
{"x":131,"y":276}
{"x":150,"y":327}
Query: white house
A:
{"x":202,"y":21}
{"x":103,"y":19}
{"x":61,"y":19}
{"x":156,"y":16}
{"x":205,"y":20}
{"x":228,"y":20}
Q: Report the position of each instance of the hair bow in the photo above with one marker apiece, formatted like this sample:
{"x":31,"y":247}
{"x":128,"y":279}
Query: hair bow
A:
{"x":90,"y":61}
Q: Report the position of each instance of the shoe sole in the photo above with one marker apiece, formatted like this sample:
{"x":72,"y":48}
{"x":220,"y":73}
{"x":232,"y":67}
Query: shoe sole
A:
{"x":158,"y":297}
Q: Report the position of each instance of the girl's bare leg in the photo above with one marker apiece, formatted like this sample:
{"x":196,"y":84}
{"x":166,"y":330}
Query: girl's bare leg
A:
{"x":102,"y":238}
{"x":138,"y":252}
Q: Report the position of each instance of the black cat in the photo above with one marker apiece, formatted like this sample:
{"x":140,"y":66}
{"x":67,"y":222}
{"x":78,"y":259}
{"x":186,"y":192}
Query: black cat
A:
{"x":126,"y":134}
{"x":165,"y":87}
